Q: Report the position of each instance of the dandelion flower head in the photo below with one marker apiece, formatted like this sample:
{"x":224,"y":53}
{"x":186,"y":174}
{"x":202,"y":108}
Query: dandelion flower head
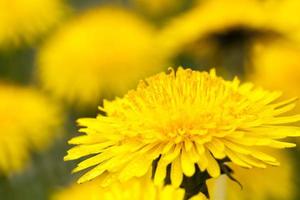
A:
{"x":135,"y":189}
{"x":210,"y":18}
{"x":29,"y":122}
{"x":24,"y":20}
{"x":276,"y":66}
{"x":217,"y":18}
{"x":103,"y":50}
{"x":186,"y":120}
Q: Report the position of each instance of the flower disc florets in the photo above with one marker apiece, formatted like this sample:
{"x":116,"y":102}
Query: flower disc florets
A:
{"x":186,"y":119}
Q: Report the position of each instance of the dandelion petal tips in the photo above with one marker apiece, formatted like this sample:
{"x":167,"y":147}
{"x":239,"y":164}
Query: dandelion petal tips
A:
{"x":186,"y":120}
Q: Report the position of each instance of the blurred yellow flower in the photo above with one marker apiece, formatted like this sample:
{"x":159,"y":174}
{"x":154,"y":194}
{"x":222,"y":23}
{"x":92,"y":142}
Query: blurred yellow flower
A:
{"x":209,"y":17}
{"x":103,"y":51}
{"x":28,"y":122}
{"x":284,"y":16}
{"x":24,"y":20}
{"x":136,"y":189}
{"x":183,"y":119}
{"x":260,"y":184}
{"x":276,"y":66}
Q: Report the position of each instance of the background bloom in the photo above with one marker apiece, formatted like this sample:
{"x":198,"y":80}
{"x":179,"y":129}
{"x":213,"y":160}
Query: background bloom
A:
{"x":29,"y":122}
{"x":103,"y":51}
{"x":276,"y":66}
{"x":25,"y":20}
{"x":217,"y":32}
{"x":284,"y":16}
{"x":276,"y":182}
{"x":210,"y":18}
{"x":133,"y":190}
{"x":183,"y":119}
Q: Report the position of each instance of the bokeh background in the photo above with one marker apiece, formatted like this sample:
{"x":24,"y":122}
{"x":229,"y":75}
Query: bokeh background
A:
{"x":59,"y":59}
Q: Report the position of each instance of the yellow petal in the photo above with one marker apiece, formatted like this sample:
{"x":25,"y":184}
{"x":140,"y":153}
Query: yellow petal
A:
{"x":200,"y":148}
{"x":187,"y":164}
{"x":281,"y":145}
{"x":236,"y":147}
{"x":160,"y":172}
{"x":284,"y":120}
{"x":263,"y":157}
{"x":96,"y":171}
{"x":95,"y":160}
{"x":188,"y":145}
{"x":176,"y":172}
{"x":168,"y":147}
{"x":252,"y":161}
{"x":284,"y":109}
{"x":213,"y":167}
{"x":87,"y":139}
{"x":136,"y":167}
{"x":84,"y":150}
{"x":236,"y":159}
{"x":202,"y":162}
{"x":173,"y":153}
{"x":215,"y":150}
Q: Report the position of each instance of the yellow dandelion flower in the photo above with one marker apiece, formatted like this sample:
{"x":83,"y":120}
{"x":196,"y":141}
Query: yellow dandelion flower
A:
{"x":187,"y":120}
{"x":276,"y":66}
{"x":24,"y":20}
{"x":211,"y":17}
{"x":135,"y":189}
{"x":28,"y":122}
{"x":105,"y":50}
{"x":263,"y":184}
{"x":284,"y":15}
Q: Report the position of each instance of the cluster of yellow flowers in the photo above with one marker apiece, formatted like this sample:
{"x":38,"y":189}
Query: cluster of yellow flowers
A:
{"x":179,"y":132}
{"x":185,"y":30}
{"x":29,"y":121}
